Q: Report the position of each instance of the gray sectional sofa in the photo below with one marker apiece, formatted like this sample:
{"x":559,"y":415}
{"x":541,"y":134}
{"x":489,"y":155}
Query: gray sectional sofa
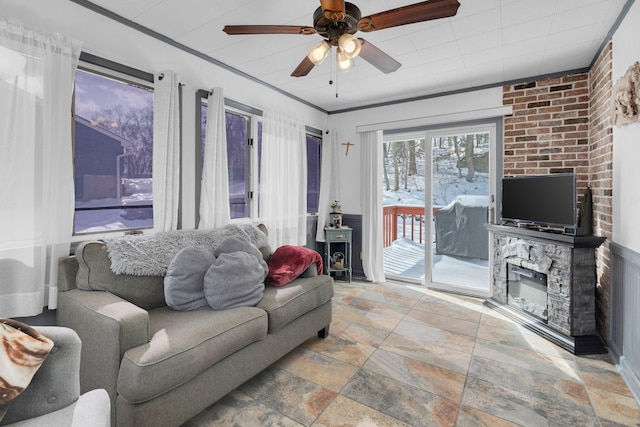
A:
{"x":162,"y":366}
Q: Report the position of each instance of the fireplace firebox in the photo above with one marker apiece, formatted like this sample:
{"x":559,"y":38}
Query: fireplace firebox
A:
{"x":527,"y":290}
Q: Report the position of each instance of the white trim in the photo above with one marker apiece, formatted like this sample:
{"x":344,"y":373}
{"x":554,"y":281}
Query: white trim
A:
{"x":438,"y":119}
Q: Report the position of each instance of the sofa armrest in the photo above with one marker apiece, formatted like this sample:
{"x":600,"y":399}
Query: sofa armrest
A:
{"x":108,"y":326}
{"x":56,"y":384}
{"x":90,"y":410}
{"x":67,"y":271}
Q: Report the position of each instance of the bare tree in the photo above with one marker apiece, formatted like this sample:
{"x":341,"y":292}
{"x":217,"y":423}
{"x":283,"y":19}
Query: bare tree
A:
{"x":412,"y":170}
{"x":468,"y":155}
{"x":136,"y":126}
{"x":456,"y":145}
{"x":396,"y":152}
{"x":385,"y":159}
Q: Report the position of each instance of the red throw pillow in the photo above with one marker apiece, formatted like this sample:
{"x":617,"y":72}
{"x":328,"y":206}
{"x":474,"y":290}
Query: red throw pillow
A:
{"x":288,"y":262}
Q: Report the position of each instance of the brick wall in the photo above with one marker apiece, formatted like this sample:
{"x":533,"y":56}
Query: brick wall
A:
{"x":562,"y":125}
{"x":549,"y":129}
{"x":601,"y":176}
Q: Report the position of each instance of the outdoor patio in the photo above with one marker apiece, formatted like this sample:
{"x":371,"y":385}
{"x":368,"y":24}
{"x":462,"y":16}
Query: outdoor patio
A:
{"x":404,"y":253}
{"x":406,"y":260}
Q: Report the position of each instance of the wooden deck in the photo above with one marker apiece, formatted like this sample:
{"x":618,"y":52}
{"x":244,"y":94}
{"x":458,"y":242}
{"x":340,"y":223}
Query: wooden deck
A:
{"x":404,"y":251}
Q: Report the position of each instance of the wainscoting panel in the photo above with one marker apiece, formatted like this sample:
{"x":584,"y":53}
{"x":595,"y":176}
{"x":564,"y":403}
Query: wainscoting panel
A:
{"x":625,"y":317}
{"x":355,"y":222}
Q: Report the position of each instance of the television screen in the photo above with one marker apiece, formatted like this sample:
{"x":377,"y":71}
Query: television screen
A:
{"x":548,"y":200}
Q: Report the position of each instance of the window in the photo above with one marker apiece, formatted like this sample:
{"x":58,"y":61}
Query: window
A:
{"x":238,"y":130}
{"x":243,"y":169}
{"x":113,"y":152}
{"x":314,"y":156}
{"x":244,"y":132}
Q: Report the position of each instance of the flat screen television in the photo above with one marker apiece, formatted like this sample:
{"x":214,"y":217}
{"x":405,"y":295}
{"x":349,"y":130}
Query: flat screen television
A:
{"x":544,"y":201}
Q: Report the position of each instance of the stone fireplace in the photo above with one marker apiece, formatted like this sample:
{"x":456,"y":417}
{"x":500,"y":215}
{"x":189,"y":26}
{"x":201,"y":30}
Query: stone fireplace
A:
{"x":547,"y":283}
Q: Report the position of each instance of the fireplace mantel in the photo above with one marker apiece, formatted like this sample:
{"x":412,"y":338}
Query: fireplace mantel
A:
{"x":569,"y":263}
{"x":548,"y":236}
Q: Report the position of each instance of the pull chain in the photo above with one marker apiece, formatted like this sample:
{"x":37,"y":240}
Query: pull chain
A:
{"x":332,"y":70}
{"x":335,"y":68}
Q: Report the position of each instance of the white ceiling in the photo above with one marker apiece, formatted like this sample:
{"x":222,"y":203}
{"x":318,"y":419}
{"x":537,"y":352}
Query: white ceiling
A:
{"x":488,"y":42}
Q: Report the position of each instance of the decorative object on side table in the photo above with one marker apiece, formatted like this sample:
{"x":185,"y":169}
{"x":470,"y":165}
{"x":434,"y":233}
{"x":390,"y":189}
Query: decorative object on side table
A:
{"x":335,"y":218}
{"x":338,"y":260}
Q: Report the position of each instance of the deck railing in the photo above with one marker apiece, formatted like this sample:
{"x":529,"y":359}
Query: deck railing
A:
{"x":410,"y":225}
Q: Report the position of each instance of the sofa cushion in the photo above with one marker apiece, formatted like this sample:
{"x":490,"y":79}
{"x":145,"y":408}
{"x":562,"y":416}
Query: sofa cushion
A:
{"x":234,"y":280}
{"x":286,"y":303}
{"x":236,"y":244}
{"x":289,"y":262}
{"x":94,"y":274}
{"x":183,"y":344}
{"x":184,"y":282}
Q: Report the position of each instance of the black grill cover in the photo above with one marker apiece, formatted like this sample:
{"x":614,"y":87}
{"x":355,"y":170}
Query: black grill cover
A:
{"x":460,"y":228}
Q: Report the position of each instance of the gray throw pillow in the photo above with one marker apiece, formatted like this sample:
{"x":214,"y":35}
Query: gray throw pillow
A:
{"x":184,"y":281}
{"x":234,"y":280}
{"x":236,"y":244}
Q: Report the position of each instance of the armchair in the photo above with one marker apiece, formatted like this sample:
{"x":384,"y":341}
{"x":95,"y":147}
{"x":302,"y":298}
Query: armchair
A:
{"x":53,"y":397}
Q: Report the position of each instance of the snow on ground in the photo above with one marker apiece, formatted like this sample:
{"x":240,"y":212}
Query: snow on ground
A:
{"x":136,"y":192}
{"x":407,"y":258}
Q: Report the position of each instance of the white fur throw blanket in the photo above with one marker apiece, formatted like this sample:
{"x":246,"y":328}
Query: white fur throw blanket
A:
{"x":150,"y":254}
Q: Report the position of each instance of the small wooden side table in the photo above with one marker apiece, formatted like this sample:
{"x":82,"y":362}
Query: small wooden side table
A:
{"x":338,"y":240}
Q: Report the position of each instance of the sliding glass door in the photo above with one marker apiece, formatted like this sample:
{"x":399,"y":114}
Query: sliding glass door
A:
{"x":439,"y":190}
{"x":404,"y":222}
{"x":460,"y":198}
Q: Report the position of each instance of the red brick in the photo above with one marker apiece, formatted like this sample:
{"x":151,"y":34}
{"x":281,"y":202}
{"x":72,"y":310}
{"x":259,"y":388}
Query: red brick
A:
{"x":538,"y":131}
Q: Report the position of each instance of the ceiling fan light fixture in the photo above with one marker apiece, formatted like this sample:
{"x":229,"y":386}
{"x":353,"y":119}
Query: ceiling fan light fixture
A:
{"x":319,"y":52}
{"x":349,"y":45}
{"x":343,"y":63}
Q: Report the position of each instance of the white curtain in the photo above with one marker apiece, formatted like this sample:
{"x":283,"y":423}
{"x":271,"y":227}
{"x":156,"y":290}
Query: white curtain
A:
{"x":36,"y":176}
{"x":166,"y":151}
{"x":329,"y":182}
{"x":214,"y":196}
{"x":372,"y":237}
{"x":283,"y":180}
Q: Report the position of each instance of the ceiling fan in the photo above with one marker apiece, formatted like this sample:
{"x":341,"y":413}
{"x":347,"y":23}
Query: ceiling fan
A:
{"x":336,"y":21}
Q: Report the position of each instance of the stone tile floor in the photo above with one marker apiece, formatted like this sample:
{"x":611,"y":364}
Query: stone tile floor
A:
{"x":402,"y":355}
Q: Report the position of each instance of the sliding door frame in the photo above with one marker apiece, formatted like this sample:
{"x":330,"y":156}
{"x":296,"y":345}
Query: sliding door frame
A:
{"x":496,"y":129}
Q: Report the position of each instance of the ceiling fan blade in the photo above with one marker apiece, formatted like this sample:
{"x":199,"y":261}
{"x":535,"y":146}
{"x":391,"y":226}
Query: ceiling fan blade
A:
{"x":333,"y":9}
{"x":378,"y":58}
{"x":303,"y":68}
{"x":419,"y":12}
{"x":267,"y":29}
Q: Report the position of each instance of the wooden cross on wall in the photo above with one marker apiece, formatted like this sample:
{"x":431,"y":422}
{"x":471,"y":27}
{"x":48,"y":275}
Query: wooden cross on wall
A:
{"x":347,"y":144}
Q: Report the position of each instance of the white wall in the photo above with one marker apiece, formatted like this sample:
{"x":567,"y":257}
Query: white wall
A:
{"x":433,"y":111}
{"x":626,"y":142}
{"x":113,"y":41}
